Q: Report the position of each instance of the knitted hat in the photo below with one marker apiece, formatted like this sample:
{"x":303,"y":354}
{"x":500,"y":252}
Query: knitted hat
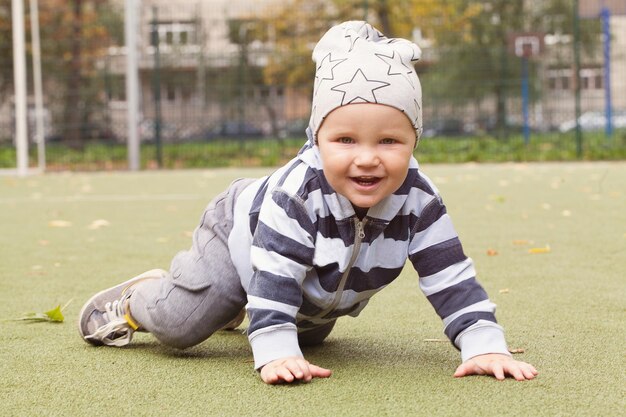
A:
{"x":355,"y":63}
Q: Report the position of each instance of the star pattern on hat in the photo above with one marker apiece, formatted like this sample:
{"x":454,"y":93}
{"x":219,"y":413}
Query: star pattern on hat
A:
{"x":417,"y":112}
{"x":414,"y":50}
{"x":359,"y":87}
{"x":325,"y":69}
{"x":352,"y":38}
{"x":395,"y":60}
{"x":354,"y":35}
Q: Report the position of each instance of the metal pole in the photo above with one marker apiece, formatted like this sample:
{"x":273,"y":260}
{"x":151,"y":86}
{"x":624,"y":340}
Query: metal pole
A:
{"x":19,"y":79}
{"x":132,"y":82}
{"x":37,"y":83}
{"x":525,"y":99}
{"x":579,"y":133}
{"x":608,"y":105}
{"x":156,"y":88}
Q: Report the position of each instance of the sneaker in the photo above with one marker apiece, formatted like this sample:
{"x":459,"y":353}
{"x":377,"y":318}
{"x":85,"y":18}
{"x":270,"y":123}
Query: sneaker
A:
{"x":104,"y":319}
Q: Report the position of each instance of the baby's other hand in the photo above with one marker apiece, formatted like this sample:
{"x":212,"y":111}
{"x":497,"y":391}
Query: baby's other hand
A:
{"x":291,"y":369}
{"x":497,"y":365}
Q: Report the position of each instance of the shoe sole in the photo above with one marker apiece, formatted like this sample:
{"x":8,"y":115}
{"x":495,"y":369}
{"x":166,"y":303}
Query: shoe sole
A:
{"x":152,"y":274}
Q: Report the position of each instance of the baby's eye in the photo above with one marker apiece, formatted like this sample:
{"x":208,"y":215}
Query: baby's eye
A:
{"x":388,"y":141}
{"x":345,"y":140}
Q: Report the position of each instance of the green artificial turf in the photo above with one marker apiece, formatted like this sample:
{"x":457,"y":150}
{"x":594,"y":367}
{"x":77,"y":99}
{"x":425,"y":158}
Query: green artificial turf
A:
{"x":565,"y":308}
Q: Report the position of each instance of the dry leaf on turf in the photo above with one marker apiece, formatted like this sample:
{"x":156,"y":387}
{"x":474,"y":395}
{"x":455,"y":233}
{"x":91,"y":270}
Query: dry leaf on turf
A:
{"x":492,"y":252}
{"x":59,"y":223}
{"x":504,"y":291}
{"x":435,"y":340}
{"x":534,"y":251}
{"x":97,"y":224}
{"x":54,"y":316}
{"x":518,"y":350}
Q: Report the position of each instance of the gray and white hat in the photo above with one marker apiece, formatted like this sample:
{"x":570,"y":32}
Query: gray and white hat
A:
{"x":355,"y":63}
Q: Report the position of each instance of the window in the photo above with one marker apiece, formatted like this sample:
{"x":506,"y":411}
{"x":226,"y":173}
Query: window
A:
{"x":591,"y":78}
{"x":176,"y":33}
{"x":559,"y":79}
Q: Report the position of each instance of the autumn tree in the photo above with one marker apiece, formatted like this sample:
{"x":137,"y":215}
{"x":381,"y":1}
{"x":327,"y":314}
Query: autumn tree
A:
{"x":75,"y":35}
{"x":473,"y":60}
{"x":299,"y":24}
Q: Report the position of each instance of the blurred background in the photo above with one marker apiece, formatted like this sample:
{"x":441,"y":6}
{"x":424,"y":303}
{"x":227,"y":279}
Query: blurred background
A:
{"x":229,"y":82}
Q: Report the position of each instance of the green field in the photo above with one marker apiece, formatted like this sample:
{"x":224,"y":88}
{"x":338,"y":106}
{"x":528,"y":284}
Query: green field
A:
{"x":565,"y":308}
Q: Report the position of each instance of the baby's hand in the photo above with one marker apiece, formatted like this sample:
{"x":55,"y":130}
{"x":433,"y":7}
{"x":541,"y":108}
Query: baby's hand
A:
{"x":497,"y":365}
{"x":291,"y":369}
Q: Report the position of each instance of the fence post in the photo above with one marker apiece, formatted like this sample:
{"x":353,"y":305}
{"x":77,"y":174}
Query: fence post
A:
{"x":605,"y":15}
{"x":579,"y":133}
{"x":132,"y":82}
{"x":19,"y":76}
{"x":37,"y":84}
{"x":156,"y":87}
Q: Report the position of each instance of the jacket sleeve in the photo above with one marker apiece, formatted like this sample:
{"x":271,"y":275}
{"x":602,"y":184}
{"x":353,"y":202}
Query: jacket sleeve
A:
{"x":448,"y":279}
{"x":281,"y":254}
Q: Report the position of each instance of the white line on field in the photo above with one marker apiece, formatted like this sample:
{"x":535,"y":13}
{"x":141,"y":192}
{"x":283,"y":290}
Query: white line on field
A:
{"x":100,"y":198}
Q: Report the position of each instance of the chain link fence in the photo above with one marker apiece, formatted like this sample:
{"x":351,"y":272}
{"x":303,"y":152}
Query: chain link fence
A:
{"x":228,"y":83}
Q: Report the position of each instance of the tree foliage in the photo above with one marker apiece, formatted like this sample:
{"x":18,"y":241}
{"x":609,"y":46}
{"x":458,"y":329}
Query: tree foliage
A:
{"x":299,"y":24}
{"x":469,"y":60}
{"x":74,"y":37}
{"x":474,"y":61}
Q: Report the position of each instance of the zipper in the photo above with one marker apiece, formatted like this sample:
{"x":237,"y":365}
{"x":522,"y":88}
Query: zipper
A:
{"x":359,"y":235}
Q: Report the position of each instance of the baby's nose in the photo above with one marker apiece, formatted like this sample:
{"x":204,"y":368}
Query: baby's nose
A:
{"x":367,"y":157}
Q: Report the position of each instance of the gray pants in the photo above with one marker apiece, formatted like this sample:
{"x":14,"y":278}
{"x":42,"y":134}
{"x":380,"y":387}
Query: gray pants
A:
{"x":202,"y":291}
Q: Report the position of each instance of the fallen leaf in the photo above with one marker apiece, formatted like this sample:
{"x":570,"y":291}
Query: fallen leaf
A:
{"x":492,"y":252}
{"x":504,"y":291}
{"x":59,"y":223}
{"x":545,"y":249}
{"x":55,"y":315}
{"x":97,"y":224}
{"x":435,"y":340}
{"x":518,"y":350}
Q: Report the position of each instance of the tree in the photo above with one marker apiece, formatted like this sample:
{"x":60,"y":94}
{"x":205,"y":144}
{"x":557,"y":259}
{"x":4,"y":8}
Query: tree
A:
{"x":6,"y":48}
{"x":473,"y":61}
{"x":295,"y":32}
{"x":75,"y":35}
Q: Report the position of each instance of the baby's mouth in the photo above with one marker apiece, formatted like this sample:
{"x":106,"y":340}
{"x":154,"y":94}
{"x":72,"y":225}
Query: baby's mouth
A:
{"x":365,"y":181}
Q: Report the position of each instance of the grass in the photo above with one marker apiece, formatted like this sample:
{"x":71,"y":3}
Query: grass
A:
{"x":565,"y":308}
{"x":269,"y":153}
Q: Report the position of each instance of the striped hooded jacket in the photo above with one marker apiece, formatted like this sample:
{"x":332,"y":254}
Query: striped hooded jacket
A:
{"x":305,"y":258}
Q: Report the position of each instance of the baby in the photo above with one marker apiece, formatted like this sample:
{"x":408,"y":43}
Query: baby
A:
{"x":319,"y":237}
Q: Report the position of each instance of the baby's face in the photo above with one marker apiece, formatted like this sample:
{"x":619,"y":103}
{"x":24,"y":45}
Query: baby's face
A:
{"x":365,"y":150}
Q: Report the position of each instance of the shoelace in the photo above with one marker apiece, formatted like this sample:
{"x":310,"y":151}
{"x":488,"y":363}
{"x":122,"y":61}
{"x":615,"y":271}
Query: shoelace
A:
{"x":117,"y":332}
